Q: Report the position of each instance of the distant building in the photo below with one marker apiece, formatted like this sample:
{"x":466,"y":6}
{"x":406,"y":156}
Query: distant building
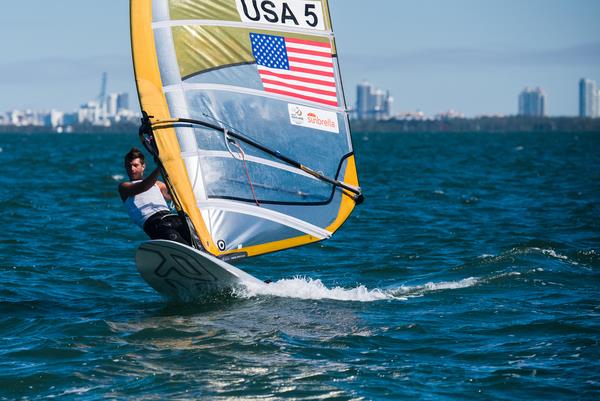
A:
{"x":122,"y":102}
{"x":53,"y":118}
{"x":111,"y":104}
{"x":363,"y":95}
{"x":588,"y":99}
{"x":412,"y":116}
{"x":389,"y":102}
{"x":532,"y":102}
{"x":89,"y":113}
{"x":21,"y":118}
{"x":372,"y":103}
{"x":70,"y":118}
{"x":449,"y":115}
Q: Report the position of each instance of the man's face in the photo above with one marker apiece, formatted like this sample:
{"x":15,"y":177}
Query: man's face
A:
{"x":135,"y":169}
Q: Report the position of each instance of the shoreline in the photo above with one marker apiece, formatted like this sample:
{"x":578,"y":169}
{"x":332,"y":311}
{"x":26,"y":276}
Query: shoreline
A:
{"x":455,"y":125}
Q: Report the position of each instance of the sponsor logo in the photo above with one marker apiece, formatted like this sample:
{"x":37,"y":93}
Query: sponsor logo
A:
{"x":313,"y":118}
{"x":328,"y":122}
{"x":297,"y":116}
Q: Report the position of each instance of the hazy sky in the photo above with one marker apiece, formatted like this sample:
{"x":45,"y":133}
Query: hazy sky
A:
{"x":473,"y":56}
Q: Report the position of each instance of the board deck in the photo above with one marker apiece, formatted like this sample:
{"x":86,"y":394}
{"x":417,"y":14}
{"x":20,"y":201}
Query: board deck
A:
{"x":179,"y":271}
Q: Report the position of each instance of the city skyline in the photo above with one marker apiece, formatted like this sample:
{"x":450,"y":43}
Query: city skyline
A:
{"x":372,"y":103}
{"x":103,"y":110}
{"x":469,"y":56}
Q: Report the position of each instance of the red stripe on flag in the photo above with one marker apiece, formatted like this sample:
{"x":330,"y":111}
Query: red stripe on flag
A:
{"x":308,"y":52}
{"x":314,"y":72}
{"x":299,"y":79}
{"x":312,"y":99}
{"x":300,"y":87}
{"x":308,"y":42}
{"x":310,"y":61}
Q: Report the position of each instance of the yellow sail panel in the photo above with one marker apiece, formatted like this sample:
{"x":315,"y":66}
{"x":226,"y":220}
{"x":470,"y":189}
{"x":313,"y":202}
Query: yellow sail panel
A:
{"x":224,"y":10}
{"x":276,"y":246}
{"x":153,"y":101}
{"x":351,"y":178}
{"x":198,"y":48}
{"x":202,"y":48}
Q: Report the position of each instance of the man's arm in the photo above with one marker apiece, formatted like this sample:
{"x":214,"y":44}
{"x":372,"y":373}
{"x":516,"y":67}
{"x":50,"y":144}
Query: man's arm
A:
{"x":164,"y":190}
{"x":127,"y":189}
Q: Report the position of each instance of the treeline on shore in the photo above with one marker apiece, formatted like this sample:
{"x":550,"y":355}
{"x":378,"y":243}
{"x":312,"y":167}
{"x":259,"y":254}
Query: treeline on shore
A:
{"x":71,"y":129}
{"x":480,"y":124}
{"x":483,"y":124}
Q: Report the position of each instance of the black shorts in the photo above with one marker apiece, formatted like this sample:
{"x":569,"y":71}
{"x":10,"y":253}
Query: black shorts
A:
{"x":165,"y":225}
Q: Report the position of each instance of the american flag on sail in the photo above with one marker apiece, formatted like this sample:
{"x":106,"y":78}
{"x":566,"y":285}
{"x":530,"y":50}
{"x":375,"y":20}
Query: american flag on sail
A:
{"x":298,"y":68}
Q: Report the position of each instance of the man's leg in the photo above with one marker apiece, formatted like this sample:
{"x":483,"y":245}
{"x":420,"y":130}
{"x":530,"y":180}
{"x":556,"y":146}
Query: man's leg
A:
{"x":171,"y":228}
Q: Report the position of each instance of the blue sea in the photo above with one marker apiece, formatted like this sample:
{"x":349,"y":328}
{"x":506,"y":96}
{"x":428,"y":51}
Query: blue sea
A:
{"x":471,"y":272}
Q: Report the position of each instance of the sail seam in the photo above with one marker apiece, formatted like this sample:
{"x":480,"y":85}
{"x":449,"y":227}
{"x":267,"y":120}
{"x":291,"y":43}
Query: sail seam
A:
{"x":234,"y":24}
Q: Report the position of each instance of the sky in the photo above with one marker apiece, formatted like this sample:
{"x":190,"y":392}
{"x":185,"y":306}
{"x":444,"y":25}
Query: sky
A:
{"x":472,"y":56}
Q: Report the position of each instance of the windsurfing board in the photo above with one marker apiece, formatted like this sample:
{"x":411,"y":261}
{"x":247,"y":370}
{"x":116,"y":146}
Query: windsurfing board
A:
{"x":179,"y":271}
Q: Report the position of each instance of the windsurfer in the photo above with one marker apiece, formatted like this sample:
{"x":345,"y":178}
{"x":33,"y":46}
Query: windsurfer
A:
{"x":146,"y":201}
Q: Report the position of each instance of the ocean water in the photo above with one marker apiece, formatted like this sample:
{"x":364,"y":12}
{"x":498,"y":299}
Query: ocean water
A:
{"x":471,"y":272}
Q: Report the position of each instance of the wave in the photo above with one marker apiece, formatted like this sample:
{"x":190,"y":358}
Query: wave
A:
{"x":308,"y":288}
{"x":529,"y":250}
{"x":419,"y":290}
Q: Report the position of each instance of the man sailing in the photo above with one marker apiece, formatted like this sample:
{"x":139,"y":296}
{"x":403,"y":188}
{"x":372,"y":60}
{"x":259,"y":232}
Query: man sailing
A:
{"x":145,"y":199}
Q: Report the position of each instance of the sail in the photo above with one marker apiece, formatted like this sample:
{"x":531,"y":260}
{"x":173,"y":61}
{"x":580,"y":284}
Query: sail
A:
{"x":248,"y":114}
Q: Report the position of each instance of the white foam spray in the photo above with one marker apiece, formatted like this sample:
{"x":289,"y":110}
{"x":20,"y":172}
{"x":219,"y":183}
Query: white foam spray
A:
{"x":307,"y":288}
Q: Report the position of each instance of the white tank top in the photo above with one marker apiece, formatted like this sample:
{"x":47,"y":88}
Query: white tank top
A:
{"x":144,"y":205}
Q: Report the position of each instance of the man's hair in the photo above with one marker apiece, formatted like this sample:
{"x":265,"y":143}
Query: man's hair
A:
{"x":133,"y":154}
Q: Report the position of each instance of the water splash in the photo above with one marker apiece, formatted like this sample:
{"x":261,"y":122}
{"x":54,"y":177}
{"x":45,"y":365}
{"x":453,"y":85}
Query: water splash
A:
{"x":307,"y":288}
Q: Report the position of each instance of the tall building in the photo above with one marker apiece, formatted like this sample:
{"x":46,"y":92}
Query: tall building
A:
{"x":372,"y":103}
{"x":389,"y":102}
{"x":122,"y":102}
{"x":588,"y":98}
{"x":532,"y":102}
{"x":102,"y":95}
{"x":111,"y":104}
{"x":363,"y":95}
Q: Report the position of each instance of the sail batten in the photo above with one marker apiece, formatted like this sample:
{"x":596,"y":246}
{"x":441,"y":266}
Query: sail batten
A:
{"x":252,"y":159}
{"x":186,"y":87}
{"x":209,"y":70}
{"x":237,"y":207}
